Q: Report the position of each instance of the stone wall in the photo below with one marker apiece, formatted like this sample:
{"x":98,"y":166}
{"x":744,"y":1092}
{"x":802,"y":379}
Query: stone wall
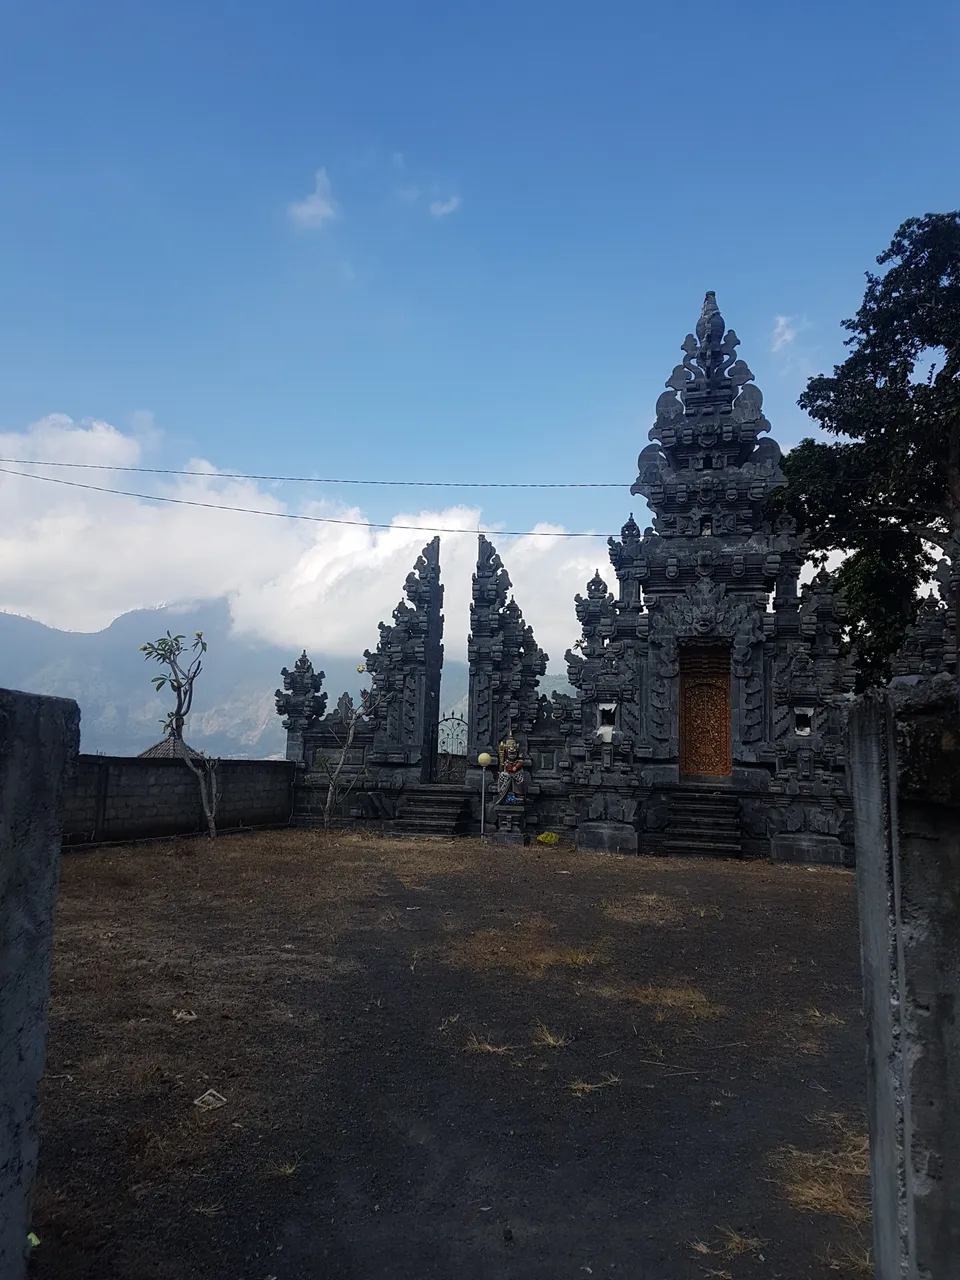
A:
{"x":129,"y":798}
{"x":39,"y":740}
{"x":904,"y":752}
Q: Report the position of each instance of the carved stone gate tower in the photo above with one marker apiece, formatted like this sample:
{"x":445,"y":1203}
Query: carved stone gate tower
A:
{"x":709,"y":690}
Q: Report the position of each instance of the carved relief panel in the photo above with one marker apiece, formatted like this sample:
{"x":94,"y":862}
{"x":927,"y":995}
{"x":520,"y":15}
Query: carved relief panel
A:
{"x":705,"y":711}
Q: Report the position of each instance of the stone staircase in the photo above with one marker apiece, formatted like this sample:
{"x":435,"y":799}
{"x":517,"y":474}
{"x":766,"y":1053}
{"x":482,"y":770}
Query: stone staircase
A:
{"x":434,"y":810}
{"x":705,"y":821}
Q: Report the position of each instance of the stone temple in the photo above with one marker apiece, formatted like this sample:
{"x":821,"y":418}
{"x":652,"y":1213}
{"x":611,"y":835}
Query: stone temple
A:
{"x":709,"y":687}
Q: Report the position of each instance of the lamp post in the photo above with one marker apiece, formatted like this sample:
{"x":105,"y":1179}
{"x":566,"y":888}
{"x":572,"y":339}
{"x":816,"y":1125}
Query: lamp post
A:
{"x":484,"y":760}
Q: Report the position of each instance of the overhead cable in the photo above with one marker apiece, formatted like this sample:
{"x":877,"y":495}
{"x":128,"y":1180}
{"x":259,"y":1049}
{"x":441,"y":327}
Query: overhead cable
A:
{"x":289,"y":515}
{"x":241,"y":475}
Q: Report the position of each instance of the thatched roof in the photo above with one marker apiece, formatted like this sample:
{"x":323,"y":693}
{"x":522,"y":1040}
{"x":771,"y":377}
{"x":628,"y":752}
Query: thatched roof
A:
{"x":167,"y":749}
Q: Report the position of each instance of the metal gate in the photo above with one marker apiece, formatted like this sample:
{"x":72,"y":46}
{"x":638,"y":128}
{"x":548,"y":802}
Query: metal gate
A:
{"x":451,"y":751}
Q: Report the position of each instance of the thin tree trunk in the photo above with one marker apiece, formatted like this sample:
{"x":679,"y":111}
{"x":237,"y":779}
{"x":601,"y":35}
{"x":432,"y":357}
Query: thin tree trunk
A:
{"x":207,"y":782}
{"x":335,"y":776}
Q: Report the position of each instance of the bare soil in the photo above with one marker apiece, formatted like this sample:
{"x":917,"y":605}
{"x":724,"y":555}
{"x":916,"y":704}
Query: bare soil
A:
{"x":450,"y":1060}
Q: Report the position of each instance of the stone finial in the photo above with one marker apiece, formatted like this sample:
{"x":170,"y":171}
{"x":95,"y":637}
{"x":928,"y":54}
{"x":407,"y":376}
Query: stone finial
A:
{"x":710,"y":326}
{"x":631,"y":530}
{"x":596,"y":587}
{"x":302,"y":702}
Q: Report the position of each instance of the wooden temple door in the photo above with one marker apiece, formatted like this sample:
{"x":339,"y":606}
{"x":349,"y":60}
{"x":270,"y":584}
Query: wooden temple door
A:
{"x":705,"y":712}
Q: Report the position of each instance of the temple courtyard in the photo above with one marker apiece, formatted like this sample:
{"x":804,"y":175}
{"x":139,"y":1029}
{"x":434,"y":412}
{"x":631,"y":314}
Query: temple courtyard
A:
{"x":420,"y":1059}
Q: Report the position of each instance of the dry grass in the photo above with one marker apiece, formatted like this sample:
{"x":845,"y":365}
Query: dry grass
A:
{"x":732,"y":1244}
{"x":528,"y":948}
{"x":417,"y":864}
{"x":735,"y":1243}
{"x":542,"y":1035}
{"x":208,"y":1211}
{"x":177,"y":962}
{"x":833,"y":1179}
{"x":681,"y":1001}
{"x":704,"y":913}
{"x":477,"y":1044}
{"x":580,"y":1088}
{"x":855,"y":1262}
{"x":814,"y":1018}
{"x":643,"y":908}
{"x":155,"y":1001}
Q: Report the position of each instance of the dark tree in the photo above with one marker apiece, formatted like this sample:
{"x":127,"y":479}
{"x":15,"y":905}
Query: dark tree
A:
{"x":891,"y":483}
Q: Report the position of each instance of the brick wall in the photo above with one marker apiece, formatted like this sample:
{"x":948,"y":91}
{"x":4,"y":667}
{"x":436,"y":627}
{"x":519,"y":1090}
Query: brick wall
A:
{"x":126,"y":798}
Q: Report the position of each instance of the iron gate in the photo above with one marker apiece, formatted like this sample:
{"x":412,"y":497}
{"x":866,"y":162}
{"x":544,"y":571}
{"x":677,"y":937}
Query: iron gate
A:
{"x":451,"y":750}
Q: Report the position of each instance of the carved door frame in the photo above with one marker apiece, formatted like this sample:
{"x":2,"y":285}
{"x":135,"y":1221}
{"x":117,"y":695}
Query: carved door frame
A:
{"x":706,"y":711}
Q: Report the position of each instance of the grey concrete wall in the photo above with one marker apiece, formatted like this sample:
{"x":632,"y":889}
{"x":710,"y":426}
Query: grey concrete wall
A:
{"x":904,"y":752}
{"x":39,"y":741}
{"x":127,"y":798}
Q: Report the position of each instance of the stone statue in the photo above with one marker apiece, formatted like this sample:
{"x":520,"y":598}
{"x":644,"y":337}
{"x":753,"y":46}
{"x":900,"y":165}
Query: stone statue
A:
{"x":510,"y":780}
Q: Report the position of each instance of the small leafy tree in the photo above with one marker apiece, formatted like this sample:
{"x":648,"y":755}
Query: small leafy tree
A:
{"x":889,"y":488}
{"x":169,"y":651}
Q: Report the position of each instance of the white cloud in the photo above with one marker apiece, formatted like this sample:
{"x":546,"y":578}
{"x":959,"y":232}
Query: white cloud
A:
{"x":318,"y":207}
{"x":440,"y":208}
{"x":145,"y":429}
{"x":785,"y":330}
{"x":397,"y":160}
{"x":75,"y":559}
{"x":409,"y":195}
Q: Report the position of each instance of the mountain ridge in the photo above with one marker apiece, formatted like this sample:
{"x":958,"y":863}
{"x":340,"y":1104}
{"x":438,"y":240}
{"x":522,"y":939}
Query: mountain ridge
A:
{"x":120,"y":714}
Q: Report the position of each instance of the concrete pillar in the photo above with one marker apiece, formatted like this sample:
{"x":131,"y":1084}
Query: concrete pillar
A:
{"x":39,"y":741}
{"x":904,"y":754}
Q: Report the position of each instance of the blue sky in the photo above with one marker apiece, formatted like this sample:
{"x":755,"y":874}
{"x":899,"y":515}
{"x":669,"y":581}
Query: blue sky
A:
{"x":530,"y":201}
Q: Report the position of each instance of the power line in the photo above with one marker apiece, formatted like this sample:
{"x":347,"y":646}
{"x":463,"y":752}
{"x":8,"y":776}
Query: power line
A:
{"x":241,"y":475}
{"x":289,"y":515}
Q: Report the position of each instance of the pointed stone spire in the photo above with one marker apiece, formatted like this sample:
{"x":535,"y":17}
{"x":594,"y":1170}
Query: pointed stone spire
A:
{"x":405,"y":672}
{"x":707,"y":473}
{"x":710,"y":326}
{"x":505,"y":660}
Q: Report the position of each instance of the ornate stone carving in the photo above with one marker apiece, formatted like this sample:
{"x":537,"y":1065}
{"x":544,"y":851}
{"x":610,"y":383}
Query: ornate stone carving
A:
{"x":511,"y":785}
{"x":506,"y":662}
{"x":405,"y":672}
{"x":704,"y":612}
{"x":694,"y":590}
{"x":930,"y":646}
{"x":708,"y":456}
{"x":302,"y":704}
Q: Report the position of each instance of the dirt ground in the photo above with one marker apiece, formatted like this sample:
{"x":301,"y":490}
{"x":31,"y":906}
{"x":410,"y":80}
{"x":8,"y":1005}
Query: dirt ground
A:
{"x":450,"y":1060}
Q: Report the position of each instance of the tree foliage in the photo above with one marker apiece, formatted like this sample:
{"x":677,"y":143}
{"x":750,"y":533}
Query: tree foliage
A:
{"x":890,"y":486}
{"x":169,"y":651}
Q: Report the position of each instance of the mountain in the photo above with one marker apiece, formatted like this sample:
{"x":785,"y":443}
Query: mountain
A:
{"x":120,"y":714}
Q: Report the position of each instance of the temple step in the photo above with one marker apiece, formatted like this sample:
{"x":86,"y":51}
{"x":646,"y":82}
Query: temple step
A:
{"x":713,"y":848}
{"x":435,"y":810}
{"x":704,"y":822}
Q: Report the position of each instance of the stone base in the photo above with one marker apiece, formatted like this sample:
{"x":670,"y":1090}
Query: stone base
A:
{"x":510,"y":837}
{"x":806,"y":848}
{"x":607,"y":837}
{"x":511,"y":824}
